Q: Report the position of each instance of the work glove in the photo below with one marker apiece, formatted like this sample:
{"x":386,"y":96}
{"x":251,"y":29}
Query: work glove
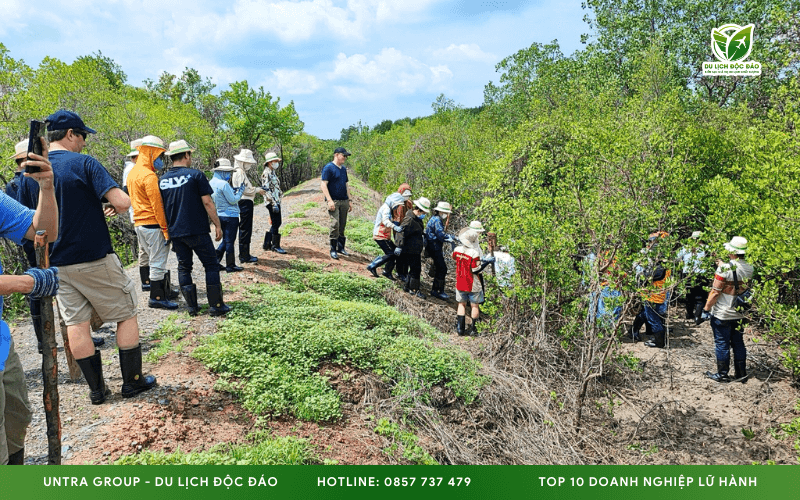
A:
{"x":276,"y":209}
{"x":45,"y":282}
{"x":705,"y":316}
{"x":398,"y":251}
{"x":488,"y":259}
{"x":398,"y":228}
{"x":449,"y":238}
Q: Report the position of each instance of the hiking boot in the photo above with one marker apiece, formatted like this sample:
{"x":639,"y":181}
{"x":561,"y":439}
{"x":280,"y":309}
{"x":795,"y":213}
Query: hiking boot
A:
{"x":92,"y":368}
{"x":133,"y":382}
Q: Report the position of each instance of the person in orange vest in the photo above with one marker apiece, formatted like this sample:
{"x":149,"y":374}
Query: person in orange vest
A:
{"x":655,"y":296}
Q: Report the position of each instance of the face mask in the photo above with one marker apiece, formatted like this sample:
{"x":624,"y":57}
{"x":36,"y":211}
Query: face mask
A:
{"x":422,"y":216}
{"x":158,"y":164}
{"x":274,"y":165}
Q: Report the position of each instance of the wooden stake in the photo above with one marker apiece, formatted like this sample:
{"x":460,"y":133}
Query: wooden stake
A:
{"x":49,"y":361}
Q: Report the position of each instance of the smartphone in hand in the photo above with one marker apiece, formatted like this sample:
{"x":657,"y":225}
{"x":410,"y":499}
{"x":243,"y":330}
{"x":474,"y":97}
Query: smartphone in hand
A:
{"x":37,"y":130}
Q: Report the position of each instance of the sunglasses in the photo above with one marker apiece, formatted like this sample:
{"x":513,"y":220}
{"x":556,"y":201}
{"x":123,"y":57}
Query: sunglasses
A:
{"x":80,"y":132}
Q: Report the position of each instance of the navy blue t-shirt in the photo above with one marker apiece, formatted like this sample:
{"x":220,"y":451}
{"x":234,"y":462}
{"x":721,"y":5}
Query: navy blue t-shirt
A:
{"x":181,"y":191}
{"x":337,"y":180}
{"x":12,"y":190}
{"x":80,"y":182}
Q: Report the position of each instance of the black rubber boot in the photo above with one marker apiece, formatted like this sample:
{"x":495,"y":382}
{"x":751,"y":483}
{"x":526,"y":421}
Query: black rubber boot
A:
{"x":133,"y":382}
{"x":244,"y":255}
{"x":92,"y":368}
{"x":334,"y":244}
{"x":657,"y":340}
{"x":98,"y":341}
{"x":144,"y":275}
{"x":190,"y":296}
{"x":276,"y":244}
{"x":722,"y":372}
{"x":230,"y":264}
{"x":218,"y":307}
{"x":740,"y":371}
{"x":158,"y":297}
{"x":17,"y":458}
{"x":340,"y":246}
{"x":472,"y":330}
{"x":414,"y":288}
{"x":376,"y":263}
{"x":172,"y":293}
{"x":461,"y":325}
{"x":267,"y":241}
{"x":437,"y":290}
{"x":36,"y":320}
{"x":388,"y":275}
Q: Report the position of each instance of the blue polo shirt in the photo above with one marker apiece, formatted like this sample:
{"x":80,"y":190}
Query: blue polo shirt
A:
{"x":181,"y":190}
{"x":15,"y":220}
{"x":337,"y":180}
{"x":80,"y":182}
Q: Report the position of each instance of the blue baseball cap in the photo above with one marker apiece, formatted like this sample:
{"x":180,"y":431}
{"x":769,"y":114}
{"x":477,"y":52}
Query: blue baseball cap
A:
{"x":341,"y":150}
{"x":63,"y":120}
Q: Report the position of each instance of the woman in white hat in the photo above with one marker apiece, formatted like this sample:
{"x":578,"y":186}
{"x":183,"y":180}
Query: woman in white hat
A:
{"x":437,"y":237}
{"x":410,"y":241}
{"x":242,"y":163}
{"x":727,"y":322}
{"x":273,"y":196}
{"x":226,"y":199}
{"x":382,"y":234}
{"x":469,"y":280}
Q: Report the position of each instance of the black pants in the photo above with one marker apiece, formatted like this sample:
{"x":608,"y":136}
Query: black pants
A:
{"x":276,"y":219}
{"x":201,"y":245}
{"x":437,"y":254}
{"x":388,"y":249}
{"x":245,"y":226}
{"x":414,"y":263}
{"x":695,"y":300}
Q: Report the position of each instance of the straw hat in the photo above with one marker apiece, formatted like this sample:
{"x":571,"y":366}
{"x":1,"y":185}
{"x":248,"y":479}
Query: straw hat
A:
{"x":443,"y":206}
{"x":223,"y":165}
{"x":245,"y":156}
{"x":737,"y":245}
{"x":178,"y":147}
{"x":20,"y":150}
{"x":469,"y":239}
{"x":477,"y":226}
{"x":135,"y":147}
{"x":268,"y":157}
{"x":423,"y":204}
{"x":153,"y":142}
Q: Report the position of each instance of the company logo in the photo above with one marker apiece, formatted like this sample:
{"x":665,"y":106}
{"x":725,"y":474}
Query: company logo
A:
{"x":731,"y":45}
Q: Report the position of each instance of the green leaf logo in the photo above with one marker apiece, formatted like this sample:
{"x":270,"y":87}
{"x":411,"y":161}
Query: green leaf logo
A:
{"x":731,"y":42}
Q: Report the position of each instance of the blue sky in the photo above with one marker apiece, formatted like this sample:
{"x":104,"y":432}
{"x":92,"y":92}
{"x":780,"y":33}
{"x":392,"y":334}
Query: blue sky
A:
{"x":339,"y":61}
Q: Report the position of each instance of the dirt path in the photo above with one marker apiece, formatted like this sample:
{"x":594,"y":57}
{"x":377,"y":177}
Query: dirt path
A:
{"x":688,"y":418}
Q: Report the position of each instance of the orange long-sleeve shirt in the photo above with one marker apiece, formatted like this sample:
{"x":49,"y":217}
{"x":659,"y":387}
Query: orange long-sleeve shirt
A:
{"x":148,"y":207}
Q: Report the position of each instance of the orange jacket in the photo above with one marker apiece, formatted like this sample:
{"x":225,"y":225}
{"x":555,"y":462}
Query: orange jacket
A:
{"x":144,"y":192}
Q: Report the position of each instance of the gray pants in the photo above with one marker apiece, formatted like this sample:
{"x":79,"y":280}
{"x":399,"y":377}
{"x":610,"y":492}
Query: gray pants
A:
{"x":153,"y":241}
{"x":339,"y":218}
{"x":15,"y":410}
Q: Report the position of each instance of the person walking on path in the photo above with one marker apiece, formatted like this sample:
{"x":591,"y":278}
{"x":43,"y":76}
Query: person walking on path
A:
{"x":19,"y":223}
{"x":226,"y":199}
{"x":398,"y":215}
{"x":337,"y":194}
{"x":382,"y":234}
{"x":692,"y":257}
{"x":469,"y":282}
{"x":91,"y":275}
{"x":436,"y":238}
{"x":410,"y":244}
{"x":273,"y":195}
{"x":149,"y":219}
{"x":727,"y":323}
{"x":188,"y":206}
{"x":242,"y":163}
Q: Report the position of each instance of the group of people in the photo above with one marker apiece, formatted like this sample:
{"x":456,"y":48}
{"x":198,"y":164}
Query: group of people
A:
{"x":400,"y":232}
{"x":724,"y":304}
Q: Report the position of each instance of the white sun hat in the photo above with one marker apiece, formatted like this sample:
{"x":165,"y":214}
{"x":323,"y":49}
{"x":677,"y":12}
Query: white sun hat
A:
{"x":176,"y":147}
{"x":223,"y":165}
{"x":423,"y":204}
{"x":20,"y":150}
{"x":245,"y":156}
{"x":443,"y":206}
{"x":737,"y":245}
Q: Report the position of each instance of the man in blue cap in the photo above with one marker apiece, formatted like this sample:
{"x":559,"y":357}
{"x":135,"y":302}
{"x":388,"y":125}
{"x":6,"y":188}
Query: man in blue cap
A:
{"x":91,"y":273}
{"x":337,"y":195}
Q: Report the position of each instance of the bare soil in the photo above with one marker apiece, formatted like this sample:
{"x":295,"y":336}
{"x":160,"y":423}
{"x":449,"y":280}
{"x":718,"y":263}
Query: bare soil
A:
{"x":669,"y":404}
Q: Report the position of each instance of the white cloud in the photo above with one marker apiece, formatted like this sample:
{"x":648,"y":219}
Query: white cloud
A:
{"x":390,"y":70}
{"x":294,"y":81}
{"x":471,"y":52}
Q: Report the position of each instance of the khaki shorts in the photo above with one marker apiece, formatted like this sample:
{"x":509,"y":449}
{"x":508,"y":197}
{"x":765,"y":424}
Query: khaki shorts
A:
{"x":102,"y":285}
